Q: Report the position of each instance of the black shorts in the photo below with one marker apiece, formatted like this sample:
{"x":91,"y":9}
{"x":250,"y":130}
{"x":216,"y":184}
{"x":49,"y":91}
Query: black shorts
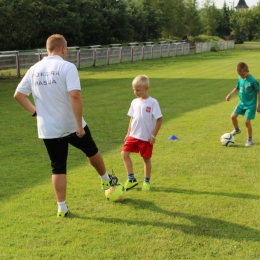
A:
{"x":58,"y":149}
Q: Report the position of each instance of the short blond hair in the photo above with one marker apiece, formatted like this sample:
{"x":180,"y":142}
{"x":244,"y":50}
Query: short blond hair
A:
{"x":55,"y":42}
{"x":141,"y":80}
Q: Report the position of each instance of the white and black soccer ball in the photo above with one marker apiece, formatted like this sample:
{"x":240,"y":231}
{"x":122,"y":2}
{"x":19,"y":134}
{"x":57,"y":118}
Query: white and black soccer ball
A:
{"x":227,"y":139}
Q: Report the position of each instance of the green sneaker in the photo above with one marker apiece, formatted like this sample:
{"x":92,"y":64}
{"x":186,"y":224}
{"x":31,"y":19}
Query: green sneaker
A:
{"x":130,"y":184}
{"x":62,"y":214}
{"x":105,"y":185}
{"x":146,"y":186}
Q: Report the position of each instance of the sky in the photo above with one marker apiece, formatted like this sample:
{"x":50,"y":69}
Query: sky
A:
{"x":219,"y":3}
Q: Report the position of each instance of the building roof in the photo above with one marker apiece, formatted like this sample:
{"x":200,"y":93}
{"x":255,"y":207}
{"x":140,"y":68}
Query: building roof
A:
{"x":242,"y":4}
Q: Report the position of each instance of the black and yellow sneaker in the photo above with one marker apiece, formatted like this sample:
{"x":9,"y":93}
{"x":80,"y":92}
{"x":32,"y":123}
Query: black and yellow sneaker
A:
{"x":105,"y":185}
{"x":129,"y":184}
{"x":62,"y":214}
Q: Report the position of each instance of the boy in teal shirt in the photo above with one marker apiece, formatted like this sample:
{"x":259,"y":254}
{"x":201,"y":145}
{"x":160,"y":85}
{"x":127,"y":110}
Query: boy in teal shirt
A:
{"x":249,"y":95}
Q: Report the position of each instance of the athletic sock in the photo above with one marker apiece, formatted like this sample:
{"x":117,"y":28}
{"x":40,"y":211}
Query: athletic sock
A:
{"x":105,"y":177}
{"x":62,"y":206}
{"x":250,"y":138}
{"x":131,"y":176}
{"x":237,"y":128}
{"x":147,"y":180}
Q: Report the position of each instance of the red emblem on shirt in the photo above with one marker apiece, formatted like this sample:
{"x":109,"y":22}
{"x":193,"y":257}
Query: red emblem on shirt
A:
{"x":246,"y":86}
{"x":148,"y":109}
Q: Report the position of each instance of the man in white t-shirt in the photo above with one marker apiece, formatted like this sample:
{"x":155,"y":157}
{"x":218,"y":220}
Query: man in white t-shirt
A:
{"x":145,"y":123}
{"x":55,"y":87}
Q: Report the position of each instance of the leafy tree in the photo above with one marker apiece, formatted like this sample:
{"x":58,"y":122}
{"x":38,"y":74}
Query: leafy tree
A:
{"x":252,"y":22}
{"x":224,"y":27}
{"x":92,"y":22}
{"x":137,"y":21}
{"x":54,"y":16}
{"x":152,"y":25}
{"x":179,"y":18}
{"x":237,"y":26}
{"x":256,"y":14}
{"x":166,"y":17}
{"x":171,"y":15}
{"x":209,"y":17}
{"x":115,"y":22}
{"x":30,"y":22}
{"x":193,"y":25}
{"x":87,"y":22}
{"x":18,"y":28}
{"x":143,"y":20}
{"x":245,"y":24}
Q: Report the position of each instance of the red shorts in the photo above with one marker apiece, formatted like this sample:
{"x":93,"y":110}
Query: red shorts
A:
{"x":135,"y":146}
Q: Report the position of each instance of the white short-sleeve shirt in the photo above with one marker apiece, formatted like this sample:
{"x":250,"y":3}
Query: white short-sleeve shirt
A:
{"x":144,"y":115}
{"x":50,"y":81}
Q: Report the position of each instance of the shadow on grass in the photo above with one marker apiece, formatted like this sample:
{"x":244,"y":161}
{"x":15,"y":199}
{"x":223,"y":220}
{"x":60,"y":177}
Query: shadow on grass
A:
{"x":201,"y":226}
{"x":224,"y":194}
{"x":175,"y":95}
{"x":241,"y":146}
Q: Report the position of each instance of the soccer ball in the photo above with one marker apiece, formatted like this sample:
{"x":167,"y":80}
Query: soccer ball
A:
{"x":227,"y":139}
{"x":115,"y":193}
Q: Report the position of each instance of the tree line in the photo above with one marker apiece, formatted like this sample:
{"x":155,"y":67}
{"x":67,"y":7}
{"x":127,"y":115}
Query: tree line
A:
{"x":25,"y":24}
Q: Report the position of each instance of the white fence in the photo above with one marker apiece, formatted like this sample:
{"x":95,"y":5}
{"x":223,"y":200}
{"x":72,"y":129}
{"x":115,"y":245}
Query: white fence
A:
{"x":16,"y":63}
{"x":207,"y":46}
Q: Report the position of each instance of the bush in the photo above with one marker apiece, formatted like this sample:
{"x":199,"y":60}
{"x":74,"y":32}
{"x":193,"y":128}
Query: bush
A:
{"x":239,"y":40}
{"x":199,"y":38}
{"x":214,"y":48}
{"x":204,"y":38}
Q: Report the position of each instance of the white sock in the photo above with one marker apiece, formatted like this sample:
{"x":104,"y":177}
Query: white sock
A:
{"x":62,"y":206}
{"x":105,"y":177}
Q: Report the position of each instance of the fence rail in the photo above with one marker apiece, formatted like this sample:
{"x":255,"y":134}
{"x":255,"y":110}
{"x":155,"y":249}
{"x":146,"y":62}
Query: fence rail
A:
{"x":15,"y":63}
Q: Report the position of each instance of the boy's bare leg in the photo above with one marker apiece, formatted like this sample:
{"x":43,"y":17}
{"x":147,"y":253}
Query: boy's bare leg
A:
{"x":147,"y":174}
{"x":127,"y":162}
{"x":249,"y":128}
{"x":234,"y":120}
{"x":147,"y":167}
{"x":131,"y":181}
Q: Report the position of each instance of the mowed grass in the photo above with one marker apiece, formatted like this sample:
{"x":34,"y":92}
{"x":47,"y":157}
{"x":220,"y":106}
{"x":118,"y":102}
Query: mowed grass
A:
{"x":204,"y":202}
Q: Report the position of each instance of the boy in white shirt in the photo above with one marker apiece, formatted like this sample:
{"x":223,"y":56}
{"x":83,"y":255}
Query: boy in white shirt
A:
{"x":145,"y":123}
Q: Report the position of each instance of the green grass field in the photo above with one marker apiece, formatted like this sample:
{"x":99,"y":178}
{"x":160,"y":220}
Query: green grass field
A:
{"x":204,"y":202}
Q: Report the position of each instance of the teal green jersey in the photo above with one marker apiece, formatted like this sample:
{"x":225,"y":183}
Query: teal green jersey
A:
{"x":248,"y":89}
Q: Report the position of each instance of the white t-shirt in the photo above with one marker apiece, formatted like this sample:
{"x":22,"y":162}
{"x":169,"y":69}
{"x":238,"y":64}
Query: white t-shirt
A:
{"x":144,"y":115}
{"x":50,"y":81}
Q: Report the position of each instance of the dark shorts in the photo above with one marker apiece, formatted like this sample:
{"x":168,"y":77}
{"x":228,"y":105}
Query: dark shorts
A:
{"x":58,"y":149}
{"x":138,"y":146}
